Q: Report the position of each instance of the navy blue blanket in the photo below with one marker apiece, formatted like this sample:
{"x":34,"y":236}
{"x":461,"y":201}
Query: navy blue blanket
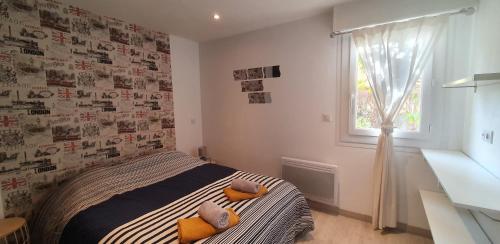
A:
{"x":92,"y":224}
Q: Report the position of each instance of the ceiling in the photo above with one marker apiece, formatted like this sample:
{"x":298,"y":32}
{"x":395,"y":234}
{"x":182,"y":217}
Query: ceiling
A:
{"x":193,"y":18}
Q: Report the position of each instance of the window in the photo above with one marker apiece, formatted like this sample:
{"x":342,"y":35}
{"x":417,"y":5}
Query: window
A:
{"x":359,"y":115}
{"x":365,"y":115}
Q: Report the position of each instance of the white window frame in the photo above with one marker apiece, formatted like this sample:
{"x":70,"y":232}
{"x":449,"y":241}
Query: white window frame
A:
{"x":346,"y":75}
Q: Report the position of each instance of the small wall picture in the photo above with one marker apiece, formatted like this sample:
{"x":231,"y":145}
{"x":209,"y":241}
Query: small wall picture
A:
{"x":255,"y":73}
{"x":252,"y":80}
{"x":240,"y":74}
{"x":259,"y":97}
{"x":252,"y":86}
{"x":272,"y":71}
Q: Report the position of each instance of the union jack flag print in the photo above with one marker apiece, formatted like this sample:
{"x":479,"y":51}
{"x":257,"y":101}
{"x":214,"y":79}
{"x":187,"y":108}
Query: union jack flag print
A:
{"x":122,"y":49}
{"x":138,"y":71}
{"x":134,"y":27}
{"x":165,"y":58}
{"x":129,"y":138}
{"x":13,"y":183}
{"x":60,"y":37}
{"x":141,"y":114}
{"x":83,"y":64}
{"x":126,"y":95}
{"x":5,"y":57}
{"x":88,"y":116}
{"x":65,"y":93}
{"x":168,"y":96}
{"x":71,"y":147}
{"x":77,"y":11}
{"x":8,"y":121}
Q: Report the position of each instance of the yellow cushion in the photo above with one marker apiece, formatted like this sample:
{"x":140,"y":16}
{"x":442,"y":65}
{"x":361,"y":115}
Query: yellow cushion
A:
{"x":196,"y":228}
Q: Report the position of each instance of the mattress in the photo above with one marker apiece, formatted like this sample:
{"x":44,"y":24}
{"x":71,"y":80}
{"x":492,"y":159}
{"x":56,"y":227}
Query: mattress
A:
{"x":139,"y":201}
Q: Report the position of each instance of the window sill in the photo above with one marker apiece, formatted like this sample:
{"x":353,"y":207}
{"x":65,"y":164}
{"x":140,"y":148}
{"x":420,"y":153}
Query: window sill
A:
{"x":397,"y":134}
{"x":411,"y":145}
{"x":373,"y":146}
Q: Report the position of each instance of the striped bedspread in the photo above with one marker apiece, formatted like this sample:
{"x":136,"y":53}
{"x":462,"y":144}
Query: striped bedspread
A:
{"x":148,"y":212}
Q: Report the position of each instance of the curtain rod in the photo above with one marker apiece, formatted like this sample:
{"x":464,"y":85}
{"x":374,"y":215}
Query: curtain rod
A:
{"x":466,"y":11}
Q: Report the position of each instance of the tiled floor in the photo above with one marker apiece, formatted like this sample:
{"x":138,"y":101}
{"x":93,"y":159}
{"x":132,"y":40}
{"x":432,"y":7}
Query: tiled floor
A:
{"x":339,"y":229}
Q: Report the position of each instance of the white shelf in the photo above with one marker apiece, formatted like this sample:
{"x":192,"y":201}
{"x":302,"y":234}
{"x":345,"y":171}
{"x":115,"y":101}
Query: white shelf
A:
{"x":475,"y":81}
{"x":467,"y":184}
{"x":449,"y":224}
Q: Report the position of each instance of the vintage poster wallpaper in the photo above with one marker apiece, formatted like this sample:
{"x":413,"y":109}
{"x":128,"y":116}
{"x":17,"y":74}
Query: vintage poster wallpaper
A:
{"x":76,"y":89}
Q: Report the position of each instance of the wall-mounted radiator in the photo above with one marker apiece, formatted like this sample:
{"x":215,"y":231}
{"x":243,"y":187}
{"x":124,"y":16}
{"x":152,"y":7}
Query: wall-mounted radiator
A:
{"x":318,"y":181}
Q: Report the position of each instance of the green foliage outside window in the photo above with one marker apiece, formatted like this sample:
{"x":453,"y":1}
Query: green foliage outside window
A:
{"x":409,"y":117}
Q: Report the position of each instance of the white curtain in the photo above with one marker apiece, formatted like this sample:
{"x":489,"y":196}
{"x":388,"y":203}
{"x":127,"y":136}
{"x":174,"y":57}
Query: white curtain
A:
{"x":394,"y":56}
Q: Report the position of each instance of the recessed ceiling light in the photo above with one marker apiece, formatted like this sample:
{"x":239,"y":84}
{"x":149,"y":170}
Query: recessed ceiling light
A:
{"x":216,"y":16}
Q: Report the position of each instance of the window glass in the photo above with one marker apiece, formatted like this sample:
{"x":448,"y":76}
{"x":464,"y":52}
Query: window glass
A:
{"x":365,"y":112}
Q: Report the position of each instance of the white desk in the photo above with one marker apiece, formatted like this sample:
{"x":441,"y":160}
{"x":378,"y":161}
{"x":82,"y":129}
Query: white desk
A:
{"x":466,"y":183}
{"x":449,"y":224}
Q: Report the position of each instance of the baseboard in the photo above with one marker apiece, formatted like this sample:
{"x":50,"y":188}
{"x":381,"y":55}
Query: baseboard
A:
{"x":415,"y":230}
{"x":325,"y":208}
{"x":363,"y":217}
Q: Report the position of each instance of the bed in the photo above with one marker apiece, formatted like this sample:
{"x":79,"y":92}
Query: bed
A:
{"x":140,"y":200}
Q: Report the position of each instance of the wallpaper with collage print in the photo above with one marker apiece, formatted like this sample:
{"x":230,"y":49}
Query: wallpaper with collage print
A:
{"x":76,"y":90}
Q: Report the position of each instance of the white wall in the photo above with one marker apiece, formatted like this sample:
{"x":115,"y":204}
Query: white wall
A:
{"x":483,"y":112}
{"x":187,"y":101}
{"x":484,"y":108}
{"x":254,"y":137}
